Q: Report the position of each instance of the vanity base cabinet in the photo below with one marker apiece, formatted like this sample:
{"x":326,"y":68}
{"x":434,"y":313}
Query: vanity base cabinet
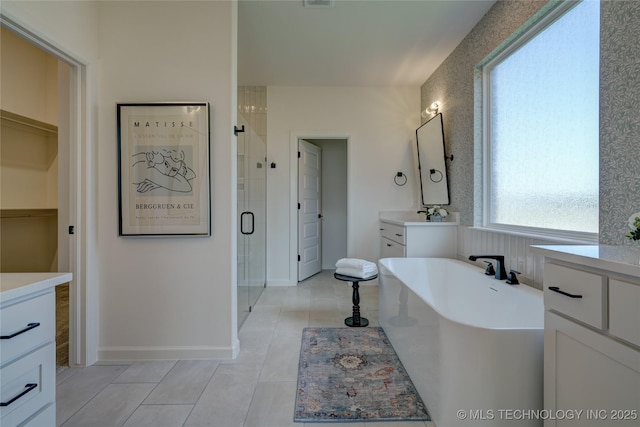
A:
{"x":438,"y":240}
{"x":591,"y":363}
{"x":589,"y":372}
{"x":391,"y":249}
{"x":591,"y":338}
{"x":28,"y":360}
{"x":34,"y":372}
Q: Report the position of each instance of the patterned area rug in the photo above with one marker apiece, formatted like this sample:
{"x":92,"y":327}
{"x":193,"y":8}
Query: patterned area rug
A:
{"x":353,"y":374}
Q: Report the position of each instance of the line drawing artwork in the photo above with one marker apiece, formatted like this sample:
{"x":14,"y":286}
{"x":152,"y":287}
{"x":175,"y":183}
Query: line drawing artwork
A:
{"x":165,"y":168}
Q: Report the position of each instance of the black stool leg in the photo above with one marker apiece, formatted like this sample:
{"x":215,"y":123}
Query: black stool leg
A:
{"x":356,"y":320}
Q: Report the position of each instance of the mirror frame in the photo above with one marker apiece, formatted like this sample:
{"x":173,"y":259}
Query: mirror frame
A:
{"x":432,"y":158}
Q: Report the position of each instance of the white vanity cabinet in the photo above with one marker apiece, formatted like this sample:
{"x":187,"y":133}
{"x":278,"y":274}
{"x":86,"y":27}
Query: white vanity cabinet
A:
{"x":592,"y":335}
{"x":412,"y":237}
{"x":27,"y":348}
{"x":392,"y":240}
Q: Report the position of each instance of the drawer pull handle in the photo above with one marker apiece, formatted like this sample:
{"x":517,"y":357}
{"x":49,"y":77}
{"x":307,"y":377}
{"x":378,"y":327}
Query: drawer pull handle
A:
{"x":557,"y":289}
{"x":389,"y":245}
{"x":21,"y":331}
{"x":399,"y":235}
{"x":27,"y":389}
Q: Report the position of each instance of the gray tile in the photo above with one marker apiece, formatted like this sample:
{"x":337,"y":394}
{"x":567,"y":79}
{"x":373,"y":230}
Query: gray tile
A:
{"x":225,"y":400}
{"x":146,"y":372}
{"x":111,"y":407}
{"x":299,"y":299}
{"x":272,"y":405}
{"x":64,"y":374}
{"x":262,"y":318}
{"x":255,"y":389}
{"x":77,"y":390}
{"x":159,"y":416}
{"x":324,"y":290}
{"x":281,"y":363}
{"x":291,"y":323}
{"x":327,"y":318}
{"x":324,"y":305}
{"x":273,"y":295}
{"x":184,"y":383}
{"x":254,"y":345}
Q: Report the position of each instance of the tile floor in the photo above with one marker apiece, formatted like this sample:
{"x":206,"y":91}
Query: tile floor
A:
{"x":257,"y":389}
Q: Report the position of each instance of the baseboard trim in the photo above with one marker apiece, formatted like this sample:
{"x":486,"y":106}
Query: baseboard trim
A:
{"x":118,"y":354}
{"x":281,"y":283}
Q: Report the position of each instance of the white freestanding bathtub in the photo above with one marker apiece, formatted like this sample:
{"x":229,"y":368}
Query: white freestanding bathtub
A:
{"x":472,"y":345}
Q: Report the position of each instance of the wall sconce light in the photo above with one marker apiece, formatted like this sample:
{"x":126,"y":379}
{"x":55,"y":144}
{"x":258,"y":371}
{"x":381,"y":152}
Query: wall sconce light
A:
{"x":431,"y":109}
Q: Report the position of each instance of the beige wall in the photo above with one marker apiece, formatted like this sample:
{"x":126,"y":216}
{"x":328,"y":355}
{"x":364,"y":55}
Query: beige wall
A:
{"x":168,"y":297}
{"x":162,"y":297}
{"x":29,"y":79}
{"x":380,"y":124}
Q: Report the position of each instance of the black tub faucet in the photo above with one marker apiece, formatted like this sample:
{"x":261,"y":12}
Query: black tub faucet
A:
{"x":501,"y":273}
{"x":489,"y":271}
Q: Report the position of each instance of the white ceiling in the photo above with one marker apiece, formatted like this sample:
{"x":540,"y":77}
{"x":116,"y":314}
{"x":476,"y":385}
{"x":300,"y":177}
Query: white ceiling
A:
{"x":352,"y":43}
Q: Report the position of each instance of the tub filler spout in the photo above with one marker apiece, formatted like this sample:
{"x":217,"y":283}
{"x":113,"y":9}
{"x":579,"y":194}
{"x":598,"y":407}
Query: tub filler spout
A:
{"x":501,"y":273}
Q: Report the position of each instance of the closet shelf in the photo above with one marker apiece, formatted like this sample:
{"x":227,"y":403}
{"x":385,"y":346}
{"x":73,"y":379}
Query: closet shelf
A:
{"x":27,"y":213}
{"x":27,"y":121}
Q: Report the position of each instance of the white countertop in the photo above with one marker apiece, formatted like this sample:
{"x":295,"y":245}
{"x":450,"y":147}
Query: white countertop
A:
{"x":412,"y":218}
{"x":15,"y":285}
{"x":620,"y":259}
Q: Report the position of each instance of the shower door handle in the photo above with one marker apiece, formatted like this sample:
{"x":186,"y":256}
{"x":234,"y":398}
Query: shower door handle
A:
{"x":242,"y":215}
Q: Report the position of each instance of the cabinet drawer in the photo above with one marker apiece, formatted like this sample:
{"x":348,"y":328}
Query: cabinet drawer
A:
{"x":391,"y":249}
{"x":577,"y":294}
{"x":46,"y":417}
{"x":21,"y":317}
{"x":36,"y":368}
{"x":624,"y":311}
{"x":393,"y":232}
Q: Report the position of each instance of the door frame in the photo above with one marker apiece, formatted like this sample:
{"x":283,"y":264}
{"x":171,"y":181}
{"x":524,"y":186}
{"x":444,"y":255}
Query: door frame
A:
{"x":293,"y":190}
{"x":82,"y":299}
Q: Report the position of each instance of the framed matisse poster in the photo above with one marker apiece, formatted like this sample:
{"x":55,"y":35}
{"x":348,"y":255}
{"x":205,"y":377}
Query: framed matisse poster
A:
{"x":163,"y":169}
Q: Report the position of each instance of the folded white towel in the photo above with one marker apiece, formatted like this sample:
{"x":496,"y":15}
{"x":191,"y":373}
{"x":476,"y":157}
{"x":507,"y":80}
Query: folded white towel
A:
{"x":356,"y":263}
{"x":355,"y":267}
{"x":356,"y":272}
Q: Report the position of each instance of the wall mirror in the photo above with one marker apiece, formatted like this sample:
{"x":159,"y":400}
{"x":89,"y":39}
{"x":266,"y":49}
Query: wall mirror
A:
{"x":431,"y":162}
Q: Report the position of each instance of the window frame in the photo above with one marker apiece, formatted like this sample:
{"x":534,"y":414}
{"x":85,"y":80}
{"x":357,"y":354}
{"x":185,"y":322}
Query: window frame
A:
{"x":546,"y":17}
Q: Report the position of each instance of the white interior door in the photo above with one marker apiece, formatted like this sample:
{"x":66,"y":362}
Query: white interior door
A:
{"x":309,"y":213}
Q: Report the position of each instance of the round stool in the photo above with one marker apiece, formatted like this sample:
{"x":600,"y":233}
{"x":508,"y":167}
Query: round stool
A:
{"x":355,"y":320}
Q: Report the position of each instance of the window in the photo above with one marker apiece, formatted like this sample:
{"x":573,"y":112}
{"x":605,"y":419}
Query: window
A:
{"x":540,"y":121}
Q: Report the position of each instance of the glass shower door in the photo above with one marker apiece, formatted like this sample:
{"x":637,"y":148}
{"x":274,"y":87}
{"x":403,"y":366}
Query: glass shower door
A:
{"x":252,"y":219}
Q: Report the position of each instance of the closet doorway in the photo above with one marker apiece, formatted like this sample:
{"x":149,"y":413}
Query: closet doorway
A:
{"x":36,"y":172}
{"x":332,"y":206}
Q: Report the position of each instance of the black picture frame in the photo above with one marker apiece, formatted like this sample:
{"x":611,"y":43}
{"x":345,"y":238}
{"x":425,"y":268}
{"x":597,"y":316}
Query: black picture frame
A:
{"x":164,"y":184}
